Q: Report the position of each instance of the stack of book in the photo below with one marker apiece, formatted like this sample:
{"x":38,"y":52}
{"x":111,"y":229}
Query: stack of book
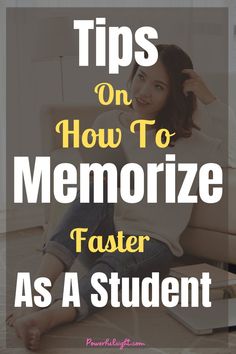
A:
{"x":222,"y":314}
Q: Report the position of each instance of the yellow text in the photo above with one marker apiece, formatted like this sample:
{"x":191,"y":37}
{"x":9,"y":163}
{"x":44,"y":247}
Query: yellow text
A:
{"x":111,"y":243}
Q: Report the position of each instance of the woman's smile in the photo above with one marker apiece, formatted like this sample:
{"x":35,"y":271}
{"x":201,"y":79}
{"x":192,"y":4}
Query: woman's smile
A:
{"x":142,"y":101}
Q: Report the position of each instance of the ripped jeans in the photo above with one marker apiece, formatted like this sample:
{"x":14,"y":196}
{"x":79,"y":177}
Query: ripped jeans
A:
{"x":98,"y":218}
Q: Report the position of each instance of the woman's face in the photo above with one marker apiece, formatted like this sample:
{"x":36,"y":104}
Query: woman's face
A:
{"x":150,"y":89}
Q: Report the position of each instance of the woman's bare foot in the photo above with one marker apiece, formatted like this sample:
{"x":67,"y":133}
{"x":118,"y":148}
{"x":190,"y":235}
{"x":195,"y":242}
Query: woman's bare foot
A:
{"x":18,"y":313}
{"x":31,"y":327}
{"x":28,"y":330}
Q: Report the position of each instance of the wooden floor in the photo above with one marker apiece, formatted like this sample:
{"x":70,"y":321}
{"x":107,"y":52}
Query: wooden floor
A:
{"x":23,"y":255}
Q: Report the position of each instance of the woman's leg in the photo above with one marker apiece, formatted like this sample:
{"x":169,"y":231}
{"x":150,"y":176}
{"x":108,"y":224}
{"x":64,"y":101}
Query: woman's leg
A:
{"x":96,"y":217}
{"x":60,"y":251}
{"x":156,"y":257}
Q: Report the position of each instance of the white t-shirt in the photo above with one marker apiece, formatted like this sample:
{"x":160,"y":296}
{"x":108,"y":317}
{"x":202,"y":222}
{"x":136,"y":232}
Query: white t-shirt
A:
{"x":167,"y":221}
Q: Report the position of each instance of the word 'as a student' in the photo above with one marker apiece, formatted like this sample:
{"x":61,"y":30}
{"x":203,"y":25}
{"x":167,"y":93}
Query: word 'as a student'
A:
{"x":120,"y":44}
{"x":145,"y":181}
{"x":149,"y":291}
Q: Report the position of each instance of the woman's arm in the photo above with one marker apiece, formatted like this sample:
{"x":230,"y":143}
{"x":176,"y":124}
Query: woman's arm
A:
{"x":196,"y":85}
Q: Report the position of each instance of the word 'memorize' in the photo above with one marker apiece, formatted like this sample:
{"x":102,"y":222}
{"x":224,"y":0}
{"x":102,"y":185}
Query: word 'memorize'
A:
{"x":65,"y":182}
{"x":119,"y":55}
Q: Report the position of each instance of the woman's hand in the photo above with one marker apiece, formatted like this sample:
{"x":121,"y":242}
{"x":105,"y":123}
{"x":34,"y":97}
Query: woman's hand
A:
{"x":196,"y":85}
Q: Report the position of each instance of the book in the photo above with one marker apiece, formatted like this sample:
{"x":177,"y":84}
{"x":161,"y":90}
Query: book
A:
{"x":201,"y":320}
{"x":220,"y":277}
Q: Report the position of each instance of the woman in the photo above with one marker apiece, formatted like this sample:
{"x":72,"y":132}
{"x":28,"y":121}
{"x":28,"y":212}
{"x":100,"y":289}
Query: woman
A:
{"x":166,"y":92}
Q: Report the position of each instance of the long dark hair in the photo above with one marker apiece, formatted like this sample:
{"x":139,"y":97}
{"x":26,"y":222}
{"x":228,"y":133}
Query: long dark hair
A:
{"x":177,"y":114}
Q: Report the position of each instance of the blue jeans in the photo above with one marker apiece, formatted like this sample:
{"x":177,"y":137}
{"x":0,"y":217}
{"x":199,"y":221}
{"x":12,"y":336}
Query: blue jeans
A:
{"x":98,"y":218}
